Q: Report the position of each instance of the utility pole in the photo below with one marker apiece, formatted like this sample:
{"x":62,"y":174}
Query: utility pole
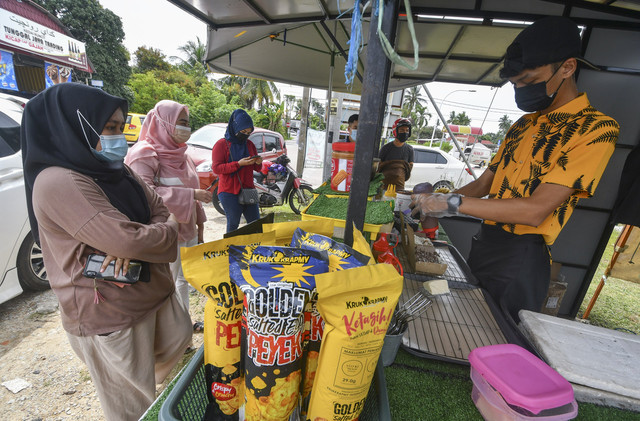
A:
{"x":333,"y":131}
{"x":304,"y":125}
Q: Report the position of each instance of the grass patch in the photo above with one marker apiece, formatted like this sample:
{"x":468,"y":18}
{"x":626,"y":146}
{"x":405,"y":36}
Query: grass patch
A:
{"x":618,"y":306}
{"x":422,"y":390}
{"x":281,"y":213}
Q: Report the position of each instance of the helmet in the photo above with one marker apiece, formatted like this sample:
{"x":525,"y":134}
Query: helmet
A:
{"x":399,"y":123}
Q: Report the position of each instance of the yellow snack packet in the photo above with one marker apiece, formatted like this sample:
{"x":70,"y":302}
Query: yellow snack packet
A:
{"x":284,"y":230}
{"x":361,"y":245}
{"x":206,"y":267}
{"x":356,"y":305}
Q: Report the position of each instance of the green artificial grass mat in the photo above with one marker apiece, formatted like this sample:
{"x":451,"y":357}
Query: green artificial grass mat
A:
{"x":422,"y":389}
{"x":374,"y":187}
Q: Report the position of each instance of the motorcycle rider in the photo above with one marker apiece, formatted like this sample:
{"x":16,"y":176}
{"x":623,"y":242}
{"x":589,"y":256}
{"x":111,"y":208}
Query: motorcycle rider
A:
{"x":396,"y":158}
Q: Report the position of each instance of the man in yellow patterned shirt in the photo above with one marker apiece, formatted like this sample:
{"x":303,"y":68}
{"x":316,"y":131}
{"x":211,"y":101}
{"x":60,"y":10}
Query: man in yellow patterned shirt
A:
{"x":549,"y":159}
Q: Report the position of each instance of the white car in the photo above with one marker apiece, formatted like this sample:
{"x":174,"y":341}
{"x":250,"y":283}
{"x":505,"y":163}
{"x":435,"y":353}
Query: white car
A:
{"x":438,"y":168}
{"x":21,"y":263}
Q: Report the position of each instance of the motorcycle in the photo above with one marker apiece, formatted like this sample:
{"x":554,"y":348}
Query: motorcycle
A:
{"x":277,"y":184}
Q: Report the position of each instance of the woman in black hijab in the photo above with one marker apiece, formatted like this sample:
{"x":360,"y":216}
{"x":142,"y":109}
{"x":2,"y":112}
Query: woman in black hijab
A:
{"x":83,"y":200}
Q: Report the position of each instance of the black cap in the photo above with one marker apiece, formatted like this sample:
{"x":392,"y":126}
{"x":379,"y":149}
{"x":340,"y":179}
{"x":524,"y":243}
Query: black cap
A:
{"x":547,"y":40}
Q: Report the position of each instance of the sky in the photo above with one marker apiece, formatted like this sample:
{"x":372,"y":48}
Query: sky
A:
{"x":160,"y":24}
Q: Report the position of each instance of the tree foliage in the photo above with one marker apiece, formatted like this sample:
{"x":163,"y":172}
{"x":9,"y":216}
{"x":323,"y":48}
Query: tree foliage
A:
{"x":503,"y":125}
{"x":206,"y":103}
{"x":148,"y":59}
{"x":461,"y":119}
{"x":101,"y":31}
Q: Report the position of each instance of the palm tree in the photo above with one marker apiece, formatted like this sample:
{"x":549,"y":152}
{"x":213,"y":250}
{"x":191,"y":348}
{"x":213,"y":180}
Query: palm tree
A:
{"x":289,"y":103}
{"x":274,"y":113}
{"x":260,"y":91}
{"x":196,"y":53}
{"x":411,"y":100}
{"x":504,"y":124}
{"x":234,"y":86}
{"x":461,"y":119}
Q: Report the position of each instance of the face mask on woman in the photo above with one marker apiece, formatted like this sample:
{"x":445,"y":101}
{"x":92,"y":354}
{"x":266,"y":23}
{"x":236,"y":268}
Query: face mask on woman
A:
{"x":181,"y":133}
{"x":114,"y":147}
{"x":242,"y":136}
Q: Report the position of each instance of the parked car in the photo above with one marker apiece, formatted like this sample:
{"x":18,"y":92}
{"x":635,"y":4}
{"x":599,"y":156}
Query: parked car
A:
{"x":132,"y":126}
{"x":269,"y":145}
{"x":21,"y":263}
{"x":437,"y":167}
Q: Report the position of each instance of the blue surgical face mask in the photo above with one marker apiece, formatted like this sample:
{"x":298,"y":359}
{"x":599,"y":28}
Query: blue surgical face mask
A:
{"x":354,"y":132}
{"x":114,"y":147}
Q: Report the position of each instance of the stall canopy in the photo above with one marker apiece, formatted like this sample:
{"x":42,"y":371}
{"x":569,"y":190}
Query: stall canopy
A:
{"x":460,"y":41}
{"x":295,"y":41}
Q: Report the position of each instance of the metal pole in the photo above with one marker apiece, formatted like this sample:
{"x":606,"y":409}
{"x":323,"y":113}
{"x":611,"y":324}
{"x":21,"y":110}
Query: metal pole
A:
{"x":304,"y":125}
{"x":374,"y":92}
{"x":453,"y":138}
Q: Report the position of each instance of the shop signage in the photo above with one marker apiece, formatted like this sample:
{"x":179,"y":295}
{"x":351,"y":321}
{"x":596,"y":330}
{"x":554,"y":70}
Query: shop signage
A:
{"x":7,"y":72}
{"x":26,"y":35}
{"x":54,"y":74}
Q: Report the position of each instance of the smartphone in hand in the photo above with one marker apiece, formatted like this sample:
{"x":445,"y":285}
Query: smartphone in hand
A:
{"x":94,"y":263}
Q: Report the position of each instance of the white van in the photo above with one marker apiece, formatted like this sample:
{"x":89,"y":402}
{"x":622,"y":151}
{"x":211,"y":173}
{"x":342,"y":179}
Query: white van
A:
{"x":477,"y":154}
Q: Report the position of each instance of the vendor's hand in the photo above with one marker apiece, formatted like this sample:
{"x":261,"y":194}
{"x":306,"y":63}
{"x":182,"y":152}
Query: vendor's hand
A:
{"x":202,"y":195}
{"x":431,"y":204}
{"x":258,"y":160}
{"x":246,"y":161}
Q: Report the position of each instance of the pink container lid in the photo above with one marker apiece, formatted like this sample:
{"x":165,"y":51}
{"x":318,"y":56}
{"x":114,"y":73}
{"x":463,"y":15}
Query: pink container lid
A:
{"x":521,"y":378}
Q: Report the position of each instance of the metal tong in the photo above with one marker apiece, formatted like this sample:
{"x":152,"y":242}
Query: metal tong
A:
{"x":407,"y":312}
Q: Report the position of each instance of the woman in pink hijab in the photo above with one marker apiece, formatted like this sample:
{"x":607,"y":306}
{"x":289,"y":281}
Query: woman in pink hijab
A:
{"x":159,"y":159}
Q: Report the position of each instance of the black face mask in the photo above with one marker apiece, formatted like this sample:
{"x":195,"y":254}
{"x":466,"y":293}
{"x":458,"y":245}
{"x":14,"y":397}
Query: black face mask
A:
{"x":403,"y":137}
{"x":534,"y":97}
{"x":242,"y":137}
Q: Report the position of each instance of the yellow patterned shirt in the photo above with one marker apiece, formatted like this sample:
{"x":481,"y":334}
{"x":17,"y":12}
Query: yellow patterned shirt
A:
{"x":569,"y":146}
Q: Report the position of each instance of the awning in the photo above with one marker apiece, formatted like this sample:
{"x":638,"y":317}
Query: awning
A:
{"x":460,"y":41}
{"x":464,"y":129}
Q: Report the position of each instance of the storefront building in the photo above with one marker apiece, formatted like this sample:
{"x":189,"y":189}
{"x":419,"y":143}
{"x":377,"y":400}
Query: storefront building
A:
{"x":36,"y":50}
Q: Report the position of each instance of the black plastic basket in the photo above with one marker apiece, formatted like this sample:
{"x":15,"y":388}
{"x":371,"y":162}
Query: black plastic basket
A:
{"x":188,"y":399}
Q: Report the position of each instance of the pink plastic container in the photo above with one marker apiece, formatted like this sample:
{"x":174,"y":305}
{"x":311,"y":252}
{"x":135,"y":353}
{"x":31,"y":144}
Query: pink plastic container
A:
{"x":510,"y":383}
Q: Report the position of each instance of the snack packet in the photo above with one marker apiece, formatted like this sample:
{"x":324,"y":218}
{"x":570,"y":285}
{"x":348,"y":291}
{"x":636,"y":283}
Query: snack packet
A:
{"x":341,"y":256}
{"x":206,"y":267}
{"x":360,"y":244}
{"x":284,"y":230}
{"x":357,"y":306}
{"x":278,"y":283}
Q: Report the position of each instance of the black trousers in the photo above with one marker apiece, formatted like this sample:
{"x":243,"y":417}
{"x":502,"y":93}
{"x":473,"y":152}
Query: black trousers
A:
{"x":514,"y":269}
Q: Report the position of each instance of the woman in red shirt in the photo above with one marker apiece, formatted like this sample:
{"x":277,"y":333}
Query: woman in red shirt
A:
{"x":234,"y":159}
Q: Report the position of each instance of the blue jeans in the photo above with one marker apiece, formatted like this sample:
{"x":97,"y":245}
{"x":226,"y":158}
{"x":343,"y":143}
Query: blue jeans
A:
{"x":235,"y":210}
